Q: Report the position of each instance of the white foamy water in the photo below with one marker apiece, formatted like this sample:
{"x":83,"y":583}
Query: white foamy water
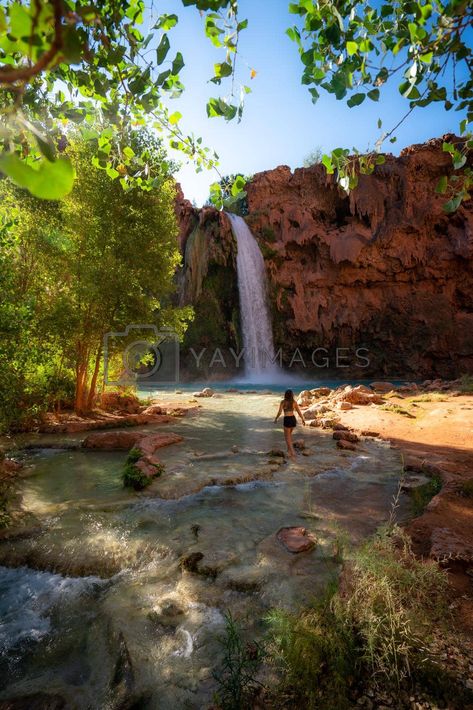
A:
{"x":28,"y":598}
{"x":254,"y":310}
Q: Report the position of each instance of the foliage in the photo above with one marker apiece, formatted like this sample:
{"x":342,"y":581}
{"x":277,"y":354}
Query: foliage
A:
{"x":422,"y":495}
{"x":351,"y":50}
{"x":133,"y":477}
{"x":229,"y":193}
{"x":79,"y":63}
{"x":314,"y":652}
{"x":236,"y":676}
{"x":74,"y":270}
{"x":374,"y":626}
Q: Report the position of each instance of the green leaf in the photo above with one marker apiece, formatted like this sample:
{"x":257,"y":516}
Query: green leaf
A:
{"x":453,"y":204}
{"x":380,"y":160}
{"x":238,"y":185}
{"x":47,"y":180}
{"x":177,"y":64}
{"x":442,"y":184}
{"x":426,"y":58}
{"x":222,"y":70}
{"x":352,"y":48}
{"x":163,"y":49}
{"x":374,"y":94}
{"x":166,"y":22}
{"x":327,"y":161}
{"x":356,"y":100}
{"x":380,"y":123}
{"x":175,"y":118}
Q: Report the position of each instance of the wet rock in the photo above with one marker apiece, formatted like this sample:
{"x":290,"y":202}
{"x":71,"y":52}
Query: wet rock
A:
{"x":148,"y":445}
{"x":296,"y":539}
{"x":345,"y":436}
{"x":299,"y":444}
{"x":190,"y":562}
{"x":346,"y":445}
{"x":368,"y":432}
{"x":273,"y":453}
{"x":340,"y":427}
{"x":112,"y":440}
{"x":235,"y":449}
{"x":35,"y":701}
{"x":409,"y":482}
{"x":169,"y":613}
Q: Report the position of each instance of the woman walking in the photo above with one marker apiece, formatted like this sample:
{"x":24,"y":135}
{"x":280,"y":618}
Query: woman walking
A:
{"x":289,"y":405}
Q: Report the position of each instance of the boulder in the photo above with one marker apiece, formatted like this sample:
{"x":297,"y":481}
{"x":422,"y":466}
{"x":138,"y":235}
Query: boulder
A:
{"x":296,"y":539}
{"x":122,"y":402}
{"x":346,"y":445}
{"x":321,"y":392}
{"x":153,"y":409}
{"x":340,"y":427}
{"x":345,"y":436}
{"x":344,"y":405}
{"x":368,"y":432}
{"x":206,"y":392}
{"x":299,"y":444}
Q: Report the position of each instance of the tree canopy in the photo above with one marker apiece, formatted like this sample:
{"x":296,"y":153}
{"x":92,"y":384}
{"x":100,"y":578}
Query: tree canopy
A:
{"x":75,"y":61}
{"x":71,"y":271}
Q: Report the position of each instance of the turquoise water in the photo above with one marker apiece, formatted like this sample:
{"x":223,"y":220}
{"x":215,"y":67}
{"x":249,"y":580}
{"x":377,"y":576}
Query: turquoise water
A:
{"x":89,"y":590}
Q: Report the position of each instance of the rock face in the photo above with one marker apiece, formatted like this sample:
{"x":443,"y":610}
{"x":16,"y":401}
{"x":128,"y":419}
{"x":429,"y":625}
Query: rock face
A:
{"x":208,"y":282}
{"x":384,"y":269}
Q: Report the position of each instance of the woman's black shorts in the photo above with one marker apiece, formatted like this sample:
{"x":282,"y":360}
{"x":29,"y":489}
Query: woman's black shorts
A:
{"x":290,"y":422}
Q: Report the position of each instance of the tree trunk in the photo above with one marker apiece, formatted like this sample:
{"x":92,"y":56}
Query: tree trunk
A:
{"x":93,"y":383}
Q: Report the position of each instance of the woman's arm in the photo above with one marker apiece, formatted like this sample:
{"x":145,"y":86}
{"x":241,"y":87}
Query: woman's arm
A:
{"x":279,"y":413}
{"x":298,"y":410}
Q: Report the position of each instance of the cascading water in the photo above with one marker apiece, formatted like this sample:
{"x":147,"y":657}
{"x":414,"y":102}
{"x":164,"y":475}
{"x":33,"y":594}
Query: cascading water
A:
{"x":259,"y":354}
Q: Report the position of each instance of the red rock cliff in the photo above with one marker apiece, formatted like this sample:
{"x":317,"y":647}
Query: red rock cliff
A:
{"x":384,"y":268}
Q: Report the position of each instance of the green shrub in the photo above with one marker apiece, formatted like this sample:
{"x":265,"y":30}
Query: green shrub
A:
{"x":236,"y":677}
{"x":373,"y":627}
{"x":315,"y":654}
{"x":133,"y":477}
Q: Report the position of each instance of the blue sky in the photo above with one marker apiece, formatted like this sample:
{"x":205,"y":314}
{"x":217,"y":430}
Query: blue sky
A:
{"x":280,"y":125}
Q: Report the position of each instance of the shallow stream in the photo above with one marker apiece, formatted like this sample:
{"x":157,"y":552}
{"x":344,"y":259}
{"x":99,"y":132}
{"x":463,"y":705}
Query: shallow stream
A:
{"x":95,"y":606}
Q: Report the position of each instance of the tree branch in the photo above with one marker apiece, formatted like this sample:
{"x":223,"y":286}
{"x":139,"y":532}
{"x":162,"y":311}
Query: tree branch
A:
{"x":10,"y":76}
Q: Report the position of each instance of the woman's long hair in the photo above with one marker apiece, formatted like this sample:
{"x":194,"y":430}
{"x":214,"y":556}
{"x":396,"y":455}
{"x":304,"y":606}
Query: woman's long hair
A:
{"x":289,"y":396}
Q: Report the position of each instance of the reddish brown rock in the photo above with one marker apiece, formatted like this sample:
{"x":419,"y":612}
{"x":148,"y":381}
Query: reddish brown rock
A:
{"x":385,"y":266}
{"x":148,"y":445}
{"x":346,"y":445}
{"x":119,"y":401}
{"x":296,"y":539}
{"x":345,"y":436}
{"x":112,"y":440}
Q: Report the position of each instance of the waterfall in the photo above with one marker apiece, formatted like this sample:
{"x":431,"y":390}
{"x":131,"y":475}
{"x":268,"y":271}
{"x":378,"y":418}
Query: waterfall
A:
{"x":254,"y":310}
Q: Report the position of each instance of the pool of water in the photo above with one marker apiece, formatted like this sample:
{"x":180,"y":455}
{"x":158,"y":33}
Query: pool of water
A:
{"x":96,"y":606}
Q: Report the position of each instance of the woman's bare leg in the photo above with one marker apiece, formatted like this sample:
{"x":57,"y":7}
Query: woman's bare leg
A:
{"x":288,"y":437}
